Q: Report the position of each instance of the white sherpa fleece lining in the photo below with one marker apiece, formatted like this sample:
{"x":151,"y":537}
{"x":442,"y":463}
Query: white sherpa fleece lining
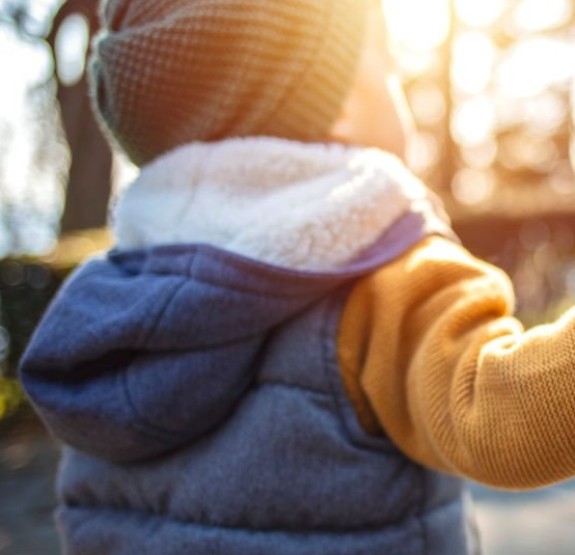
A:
{"x":304,"y":206}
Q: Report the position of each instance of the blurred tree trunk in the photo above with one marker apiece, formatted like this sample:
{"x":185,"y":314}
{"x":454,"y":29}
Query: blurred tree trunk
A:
{"x":89,"y":180}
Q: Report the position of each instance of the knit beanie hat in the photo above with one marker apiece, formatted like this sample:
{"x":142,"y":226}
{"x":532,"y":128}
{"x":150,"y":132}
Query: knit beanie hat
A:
{"x":167,"y":72}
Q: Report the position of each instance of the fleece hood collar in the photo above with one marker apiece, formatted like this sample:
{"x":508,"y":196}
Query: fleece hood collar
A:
{"x":308,"y":207}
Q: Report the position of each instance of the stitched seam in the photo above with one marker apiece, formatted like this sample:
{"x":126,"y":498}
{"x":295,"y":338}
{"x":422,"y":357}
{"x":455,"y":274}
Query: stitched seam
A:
{"x":329,"y":364}
{"x":333,"y":281}
{"x":345,"y":411}
{"x":294,"y":386}
{"x":382,"y":528}
{"x":332,"y":370}
{"x":142,"y":424}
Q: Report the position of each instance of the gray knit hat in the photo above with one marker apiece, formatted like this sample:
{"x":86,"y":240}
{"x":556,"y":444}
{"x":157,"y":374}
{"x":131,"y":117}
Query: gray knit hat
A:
{"x":168,"y":72}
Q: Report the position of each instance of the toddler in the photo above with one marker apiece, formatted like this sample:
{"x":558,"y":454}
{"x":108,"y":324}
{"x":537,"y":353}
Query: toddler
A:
{"x":287,"y":352}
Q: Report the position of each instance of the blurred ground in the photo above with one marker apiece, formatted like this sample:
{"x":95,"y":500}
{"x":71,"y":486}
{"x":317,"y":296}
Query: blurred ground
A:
{"x":27,"y":466}
{"x":538,"y":523}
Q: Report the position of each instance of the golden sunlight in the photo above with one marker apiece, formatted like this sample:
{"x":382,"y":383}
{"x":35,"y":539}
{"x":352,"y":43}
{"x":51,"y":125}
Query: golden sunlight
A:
{"x":427,"y":30}
{"x":480,"y":13}
{"x":501,"y":70}
{"x":572,"y":148}
{"x":415,"y":39}
{"x":473,"y":62}
{"x":431,"y":26}
{"x":474,"y":121}
{"x":533,"y":65}
{"x":540,"y":15}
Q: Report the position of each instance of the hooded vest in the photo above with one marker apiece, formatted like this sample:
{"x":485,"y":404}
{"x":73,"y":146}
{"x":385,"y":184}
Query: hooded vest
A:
{"x":200,"y":396}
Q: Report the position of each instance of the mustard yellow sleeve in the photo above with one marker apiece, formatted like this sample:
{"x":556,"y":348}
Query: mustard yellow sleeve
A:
{"x":430,"y":353}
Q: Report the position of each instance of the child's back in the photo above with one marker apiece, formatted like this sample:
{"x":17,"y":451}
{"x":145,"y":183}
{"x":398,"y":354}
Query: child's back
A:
{"x":206,"y":389}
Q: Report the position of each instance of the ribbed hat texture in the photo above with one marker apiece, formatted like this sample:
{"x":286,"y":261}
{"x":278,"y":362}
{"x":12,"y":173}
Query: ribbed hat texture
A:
{"x":168,"y":72}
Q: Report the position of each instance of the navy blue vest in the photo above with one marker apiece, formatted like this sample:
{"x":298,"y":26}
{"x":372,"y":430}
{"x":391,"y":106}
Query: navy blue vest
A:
{"x":202,"y":395}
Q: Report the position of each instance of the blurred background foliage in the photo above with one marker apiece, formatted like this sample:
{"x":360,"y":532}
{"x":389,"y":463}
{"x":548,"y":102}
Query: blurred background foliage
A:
{"x":492,"y":87}
{"x":491,"y":84}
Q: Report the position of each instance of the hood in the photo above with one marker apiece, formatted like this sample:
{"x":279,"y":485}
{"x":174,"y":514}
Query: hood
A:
{"x":310,"y":207}
{"x":154,"y":345}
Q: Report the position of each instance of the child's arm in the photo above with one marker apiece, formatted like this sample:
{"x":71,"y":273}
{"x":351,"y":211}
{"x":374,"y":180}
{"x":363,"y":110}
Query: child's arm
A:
{"x":430,"y":352}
